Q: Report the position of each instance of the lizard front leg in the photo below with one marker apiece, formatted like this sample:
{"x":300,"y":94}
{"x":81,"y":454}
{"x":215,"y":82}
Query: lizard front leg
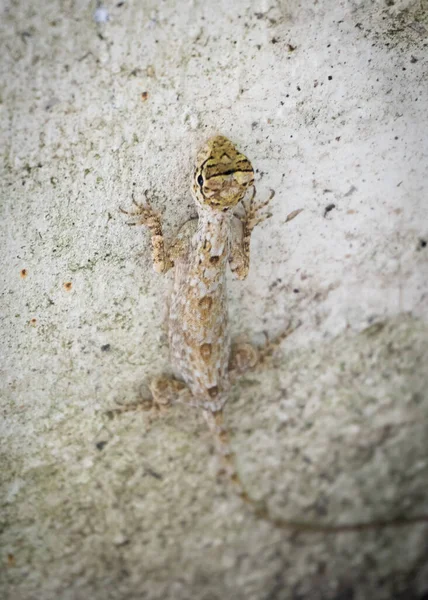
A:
{"x":145,"y":215}
{"x":255,"y":214}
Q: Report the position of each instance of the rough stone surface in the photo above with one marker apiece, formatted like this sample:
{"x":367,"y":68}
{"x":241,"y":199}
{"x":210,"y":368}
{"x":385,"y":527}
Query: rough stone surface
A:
{"x":329,"y":101}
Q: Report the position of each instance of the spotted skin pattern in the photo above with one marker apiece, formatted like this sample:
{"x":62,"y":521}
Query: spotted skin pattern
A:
{"x":204,"y":361}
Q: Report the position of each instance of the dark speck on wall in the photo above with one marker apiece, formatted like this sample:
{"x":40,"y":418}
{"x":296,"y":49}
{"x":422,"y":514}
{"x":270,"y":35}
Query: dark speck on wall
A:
{"x":328,"y":208}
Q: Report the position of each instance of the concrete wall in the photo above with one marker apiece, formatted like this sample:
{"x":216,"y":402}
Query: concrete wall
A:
{"x":329,"y":101}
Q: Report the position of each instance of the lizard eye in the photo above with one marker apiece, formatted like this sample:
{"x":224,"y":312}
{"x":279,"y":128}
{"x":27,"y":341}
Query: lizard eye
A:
{"x":200,"y":180}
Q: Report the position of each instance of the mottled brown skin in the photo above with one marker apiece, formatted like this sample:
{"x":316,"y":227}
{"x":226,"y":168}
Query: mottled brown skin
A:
{"x":203,"y":360}
{"x":198,"y":329}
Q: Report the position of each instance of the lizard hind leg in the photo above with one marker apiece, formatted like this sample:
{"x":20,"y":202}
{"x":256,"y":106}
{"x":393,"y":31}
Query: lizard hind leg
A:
{"x":165,"y":391}
{"x":244,"y":357}
{"x":269,"y":347}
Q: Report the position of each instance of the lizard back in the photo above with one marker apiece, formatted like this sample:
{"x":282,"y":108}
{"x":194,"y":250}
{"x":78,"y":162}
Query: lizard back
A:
{"x":199,"y":336}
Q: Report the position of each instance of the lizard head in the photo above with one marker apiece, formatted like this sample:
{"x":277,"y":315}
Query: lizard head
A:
{"x":222,"y":176}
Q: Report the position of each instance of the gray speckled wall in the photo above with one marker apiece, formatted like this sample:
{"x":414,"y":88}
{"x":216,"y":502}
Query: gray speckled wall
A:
{"x":329,"y":101}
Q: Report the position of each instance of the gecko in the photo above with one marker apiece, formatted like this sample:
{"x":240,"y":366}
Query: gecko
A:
{"x":204,"y":360}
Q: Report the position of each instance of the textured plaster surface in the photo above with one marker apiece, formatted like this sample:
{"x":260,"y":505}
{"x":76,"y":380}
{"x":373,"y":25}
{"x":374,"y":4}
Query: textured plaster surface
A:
{"x":329,"y":101}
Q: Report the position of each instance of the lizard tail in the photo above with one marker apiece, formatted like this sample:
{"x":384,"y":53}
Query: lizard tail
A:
{"x":215,"y":421}
{"x":226,"y":456}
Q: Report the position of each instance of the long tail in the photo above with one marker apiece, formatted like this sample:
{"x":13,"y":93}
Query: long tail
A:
{"x":216,"y":425}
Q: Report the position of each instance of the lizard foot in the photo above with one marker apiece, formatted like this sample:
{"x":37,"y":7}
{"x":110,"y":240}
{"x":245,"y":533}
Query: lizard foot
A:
{"x":269,"y":347}
{"x":164,"y":393}
{"x":144,"y":214}
{"x":255,"y":211}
